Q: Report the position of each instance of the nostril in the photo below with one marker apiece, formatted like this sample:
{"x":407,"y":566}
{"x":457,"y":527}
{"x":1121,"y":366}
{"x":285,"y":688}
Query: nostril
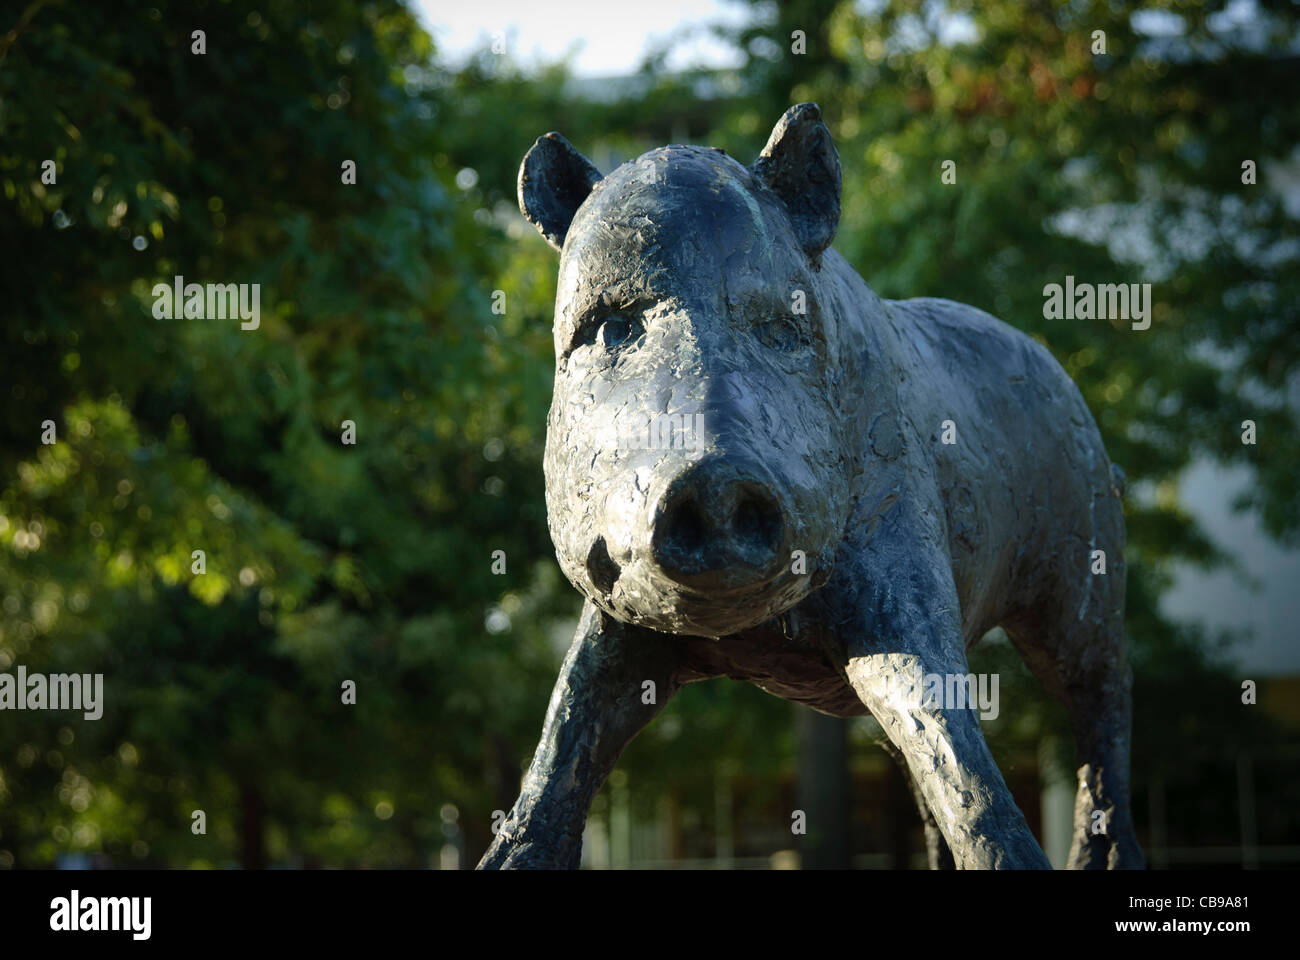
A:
{"x":685,"y":532}
{"x":756,"y":525}
{"x":601,"y":567}
{"x":681,"y":538}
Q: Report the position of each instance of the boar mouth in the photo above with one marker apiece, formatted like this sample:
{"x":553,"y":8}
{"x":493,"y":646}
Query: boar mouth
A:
{"x":750,"y":588}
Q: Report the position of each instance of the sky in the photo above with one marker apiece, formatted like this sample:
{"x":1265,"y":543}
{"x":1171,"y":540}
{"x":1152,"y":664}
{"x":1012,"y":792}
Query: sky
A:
{"x":611,"y":38}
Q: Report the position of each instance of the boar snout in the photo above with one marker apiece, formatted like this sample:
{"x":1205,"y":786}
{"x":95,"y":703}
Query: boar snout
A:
{"x":718,"y":528}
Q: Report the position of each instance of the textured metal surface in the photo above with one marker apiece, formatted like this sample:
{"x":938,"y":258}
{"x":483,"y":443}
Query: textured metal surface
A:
{"x":812,"y":533}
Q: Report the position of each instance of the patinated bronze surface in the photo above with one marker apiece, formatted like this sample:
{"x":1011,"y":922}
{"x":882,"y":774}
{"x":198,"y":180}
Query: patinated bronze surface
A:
{"x":866,"y":488}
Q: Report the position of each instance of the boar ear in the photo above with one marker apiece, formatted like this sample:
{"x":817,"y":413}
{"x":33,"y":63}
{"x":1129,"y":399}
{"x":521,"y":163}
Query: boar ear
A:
{"x":801,"y":166}
{"x":554,"y":179}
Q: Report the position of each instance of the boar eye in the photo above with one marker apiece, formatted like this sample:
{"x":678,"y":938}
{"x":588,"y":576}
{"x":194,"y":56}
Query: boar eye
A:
{"x":779,"y":333}
{"x":617,"y":331}
{"x":608,"y":334}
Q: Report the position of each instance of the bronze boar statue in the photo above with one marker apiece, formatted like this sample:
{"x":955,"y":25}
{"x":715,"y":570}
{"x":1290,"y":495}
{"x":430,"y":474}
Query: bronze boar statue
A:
{"x":756,"y":468}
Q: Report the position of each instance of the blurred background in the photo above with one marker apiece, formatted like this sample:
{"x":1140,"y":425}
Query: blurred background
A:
{"x":374,"y":562}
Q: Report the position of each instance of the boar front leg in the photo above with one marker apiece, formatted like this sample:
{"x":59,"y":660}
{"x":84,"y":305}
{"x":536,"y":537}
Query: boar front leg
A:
{"x":900,"y":622}
{"x":596,"y":709}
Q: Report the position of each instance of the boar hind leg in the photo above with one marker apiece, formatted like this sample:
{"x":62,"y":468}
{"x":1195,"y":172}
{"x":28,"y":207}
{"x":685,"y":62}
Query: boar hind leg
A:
{"x":1098,"y":681}
{"x":1074,"y":644}
{"x":900,"y":623}
{"x":1082,"y":662}
{"x":599,"y":704}
{"x":1100,"y":713}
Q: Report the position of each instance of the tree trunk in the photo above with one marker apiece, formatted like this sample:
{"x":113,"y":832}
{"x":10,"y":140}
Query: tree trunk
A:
{"x":250,"y":803}
{"x":824,"y":791}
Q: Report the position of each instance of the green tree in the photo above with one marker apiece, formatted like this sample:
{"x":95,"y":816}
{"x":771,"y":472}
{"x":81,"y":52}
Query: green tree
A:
{"x":325,"y":561}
